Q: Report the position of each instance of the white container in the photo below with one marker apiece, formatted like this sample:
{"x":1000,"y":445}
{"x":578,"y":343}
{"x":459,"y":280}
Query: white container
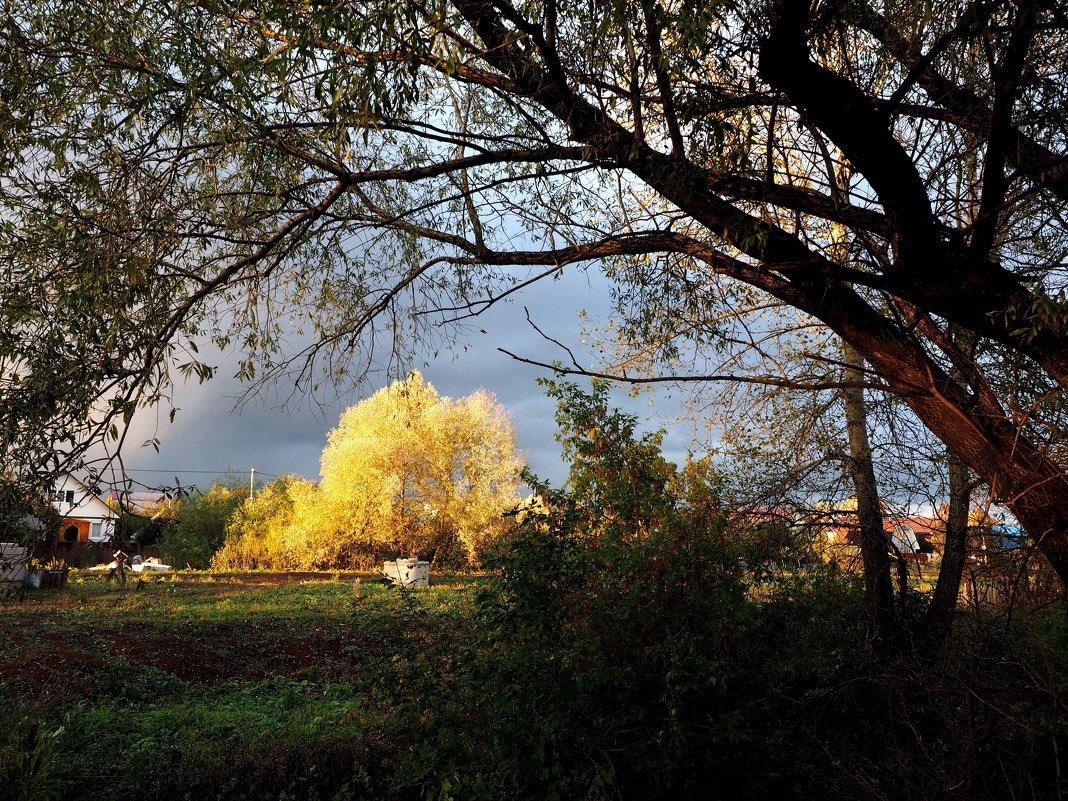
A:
{"x":408,"y":572}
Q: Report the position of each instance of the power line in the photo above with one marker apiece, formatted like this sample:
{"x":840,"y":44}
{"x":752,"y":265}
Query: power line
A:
{"x":205,"y":472}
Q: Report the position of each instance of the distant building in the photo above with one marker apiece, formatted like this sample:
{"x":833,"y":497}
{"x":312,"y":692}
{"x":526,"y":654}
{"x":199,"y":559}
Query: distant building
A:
{"x":146,"y":503}
{"x":85,"y":516}
{"x":904,"y":534}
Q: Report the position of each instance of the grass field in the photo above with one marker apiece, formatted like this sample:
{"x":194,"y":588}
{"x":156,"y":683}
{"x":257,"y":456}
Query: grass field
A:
{"x":550,"y":681}
{"x":173,"y":689}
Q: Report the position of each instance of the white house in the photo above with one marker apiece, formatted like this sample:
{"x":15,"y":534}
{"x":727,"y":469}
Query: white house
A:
{"x":86,"y":517}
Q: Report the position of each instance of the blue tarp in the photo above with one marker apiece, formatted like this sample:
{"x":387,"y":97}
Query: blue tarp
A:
{"x":1008,"y":536}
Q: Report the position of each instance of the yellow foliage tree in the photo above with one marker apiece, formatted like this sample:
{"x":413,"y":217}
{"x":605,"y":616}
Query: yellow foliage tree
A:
{"x":412,"y":472}
{"x":260,"y":532}
{"x":407,"y":471}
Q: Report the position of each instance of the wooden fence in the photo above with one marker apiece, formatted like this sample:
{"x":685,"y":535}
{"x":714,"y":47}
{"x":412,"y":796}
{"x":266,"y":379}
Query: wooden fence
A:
{"x":87,"y":554}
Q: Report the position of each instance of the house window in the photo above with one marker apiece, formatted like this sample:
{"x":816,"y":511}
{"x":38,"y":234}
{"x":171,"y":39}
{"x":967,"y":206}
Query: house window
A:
{"x":94,"y":531}
{"x":70,"y":497}
{"x":70,"y":534}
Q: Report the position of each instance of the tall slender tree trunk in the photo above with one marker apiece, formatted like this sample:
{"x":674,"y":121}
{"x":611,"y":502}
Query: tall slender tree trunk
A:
{"x":878,"y":578}
{"x":943,"y":606}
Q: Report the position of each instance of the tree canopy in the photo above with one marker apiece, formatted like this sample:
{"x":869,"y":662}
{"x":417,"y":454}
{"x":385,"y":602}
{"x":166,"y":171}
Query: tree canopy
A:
{"x":893,"y":171}
{"x":410,"y":471}
{"x":199,"y":528}
{"x":406,"y":472}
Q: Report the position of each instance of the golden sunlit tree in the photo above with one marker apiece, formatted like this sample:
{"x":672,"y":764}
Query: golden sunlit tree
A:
{"x":265,"y":531}
{"x":406,"y":472}
{"x":409,"y":471}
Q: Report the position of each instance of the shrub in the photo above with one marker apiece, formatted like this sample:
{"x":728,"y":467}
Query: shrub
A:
{"x":623,"y":652}
{"x":619,"y":652}
{"x":200,"y":529}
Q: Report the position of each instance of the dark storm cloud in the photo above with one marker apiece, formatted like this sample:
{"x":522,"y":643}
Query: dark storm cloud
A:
{"x":209,"y":434}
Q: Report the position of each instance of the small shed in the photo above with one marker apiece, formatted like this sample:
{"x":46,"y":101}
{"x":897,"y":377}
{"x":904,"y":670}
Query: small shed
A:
{"x":903,"y":537}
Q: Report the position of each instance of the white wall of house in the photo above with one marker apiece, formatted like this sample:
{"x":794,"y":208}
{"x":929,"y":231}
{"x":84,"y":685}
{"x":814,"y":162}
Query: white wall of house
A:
{"x":74,"y":501}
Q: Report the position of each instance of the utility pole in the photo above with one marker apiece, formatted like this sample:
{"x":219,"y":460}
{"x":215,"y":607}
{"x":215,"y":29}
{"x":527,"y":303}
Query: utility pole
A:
{"x":251,"y":482}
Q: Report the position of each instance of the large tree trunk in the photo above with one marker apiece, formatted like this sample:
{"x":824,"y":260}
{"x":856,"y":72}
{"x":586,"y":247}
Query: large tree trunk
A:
{"x":970,"y":421}
{"x":878,"y":581}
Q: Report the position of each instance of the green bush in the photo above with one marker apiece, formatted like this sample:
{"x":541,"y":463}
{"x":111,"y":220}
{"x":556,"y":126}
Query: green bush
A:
{"x":623,"y":652}
{"x":619,"y":652}
{"x":200,"y":528}
{"x":602,"y":667}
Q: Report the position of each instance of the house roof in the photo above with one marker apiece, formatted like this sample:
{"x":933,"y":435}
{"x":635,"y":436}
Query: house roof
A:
{"x":84,"y":503}
{"x":137,"y":501}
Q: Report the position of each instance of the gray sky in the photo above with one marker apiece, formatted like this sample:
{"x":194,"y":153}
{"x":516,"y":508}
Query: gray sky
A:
{"x":209,"y":435}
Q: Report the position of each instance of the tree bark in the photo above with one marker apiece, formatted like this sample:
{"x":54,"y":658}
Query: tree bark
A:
{"x":943,"y":606}
{"x":878,"y":579}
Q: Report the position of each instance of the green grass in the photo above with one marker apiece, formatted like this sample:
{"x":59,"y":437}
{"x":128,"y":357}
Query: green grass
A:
{"x":173,"y":689}
{"x":560,"y":682}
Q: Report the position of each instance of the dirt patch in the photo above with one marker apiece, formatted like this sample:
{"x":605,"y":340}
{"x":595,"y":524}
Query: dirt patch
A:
{"x":240,"y":653}
{"x":49,"y":664}
{"x":88,"y":639}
